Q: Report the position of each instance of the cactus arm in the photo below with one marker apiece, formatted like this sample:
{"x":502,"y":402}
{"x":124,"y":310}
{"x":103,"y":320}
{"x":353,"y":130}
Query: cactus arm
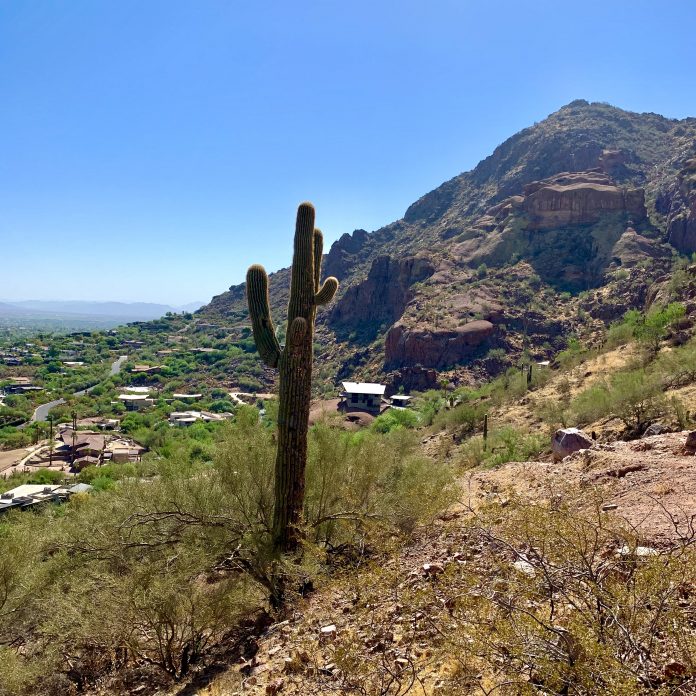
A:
{"x":318,"y":253}
{"x":298,"y":329}
{"x":259,"y":310}
{"x":302,"y":281}
{"x":326,"y":292}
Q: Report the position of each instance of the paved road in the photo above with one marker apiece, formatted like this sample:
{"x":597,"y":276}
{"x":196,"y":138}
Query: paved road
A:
{"x":41,"y":412}
{"x":116,"y":366}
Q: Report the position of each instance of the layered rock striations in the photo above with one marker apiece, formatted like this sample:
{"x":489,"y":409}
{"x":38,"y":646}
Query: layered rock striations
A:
{"x":579,"y":198}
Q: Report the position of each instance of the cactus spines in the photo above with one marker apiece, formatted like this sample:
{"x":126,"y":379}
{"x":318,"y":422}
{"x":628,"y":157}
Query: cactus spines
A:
{"x":294,"y":363}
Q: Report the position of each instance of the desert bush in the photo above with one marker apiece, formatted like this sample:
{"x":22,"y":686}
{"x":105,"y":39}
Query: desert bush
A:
{"x":505,"y":444}
{"x":464,"y":417}
{"x":357,"y":478}
{"x":634,"y":396}
{"x":395,"y":418}
{"x":536,"y":600}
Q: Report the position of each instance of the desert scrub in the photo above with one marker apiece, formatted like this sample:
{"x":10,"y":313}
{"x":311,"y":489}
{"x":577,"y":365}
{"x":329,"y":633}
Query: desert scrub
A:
{"x":504,"y":445}
{"x":395,"y":418}
{"x":528,"y":598}
{"x":634,"y":396}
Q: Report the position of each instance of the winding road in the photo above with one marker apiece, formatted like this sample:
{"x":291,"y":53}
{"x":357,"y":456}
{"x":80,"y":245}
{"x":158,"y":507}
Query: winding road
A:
{"x":41,"y":412}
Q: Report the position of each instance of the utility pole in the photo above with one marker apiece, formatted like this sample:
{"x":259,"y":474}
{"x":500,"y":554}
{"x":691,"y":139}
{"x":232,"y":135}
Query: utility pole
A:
{"x":50,"y":440}
{"x":74,"y":436}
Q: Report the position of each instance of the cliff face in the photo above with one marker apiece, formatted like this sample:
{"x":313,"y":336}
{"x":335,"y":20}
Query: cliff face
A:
{"x":556,"y":208}
{"x":428,"y":347}
{"x":680,"y":206}
{"x":580,"y":199}
{"x":384,"y":294}
{"x":566,"y":227}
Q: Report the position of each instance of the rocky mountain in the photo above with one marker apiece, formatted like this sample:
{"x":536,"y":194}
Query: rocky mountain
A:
{"x":568,"y":222}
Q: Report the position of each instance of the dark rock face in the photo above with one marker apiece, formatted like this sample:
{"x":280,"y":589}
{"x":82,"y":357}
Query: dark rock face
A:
{"x":384,"y":294}
{"x":680,"y":206}
{"x":344,"y":253}
{"x":432,"y":347}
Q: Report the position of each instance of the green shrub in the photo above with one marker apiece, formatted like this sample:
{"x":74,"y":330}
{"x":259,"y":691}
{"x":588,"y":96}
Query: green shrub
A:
{"x":395,"y":418}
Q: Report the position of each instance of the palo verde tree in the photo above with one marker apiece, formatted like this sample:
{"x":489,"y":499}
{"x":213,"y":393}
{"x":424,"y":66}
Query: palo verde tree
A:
{"x":294,"y":362}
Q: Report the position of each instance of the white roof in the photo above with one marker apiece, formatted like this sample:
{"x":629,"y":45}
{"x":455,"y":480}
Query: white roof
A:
{"x":29,"y":489}
{"x":138,"y":390}
{"x":401,"y":397}
{"x":364,"y":388}
{"x":133,"y":397}
{"x":187,"y":396}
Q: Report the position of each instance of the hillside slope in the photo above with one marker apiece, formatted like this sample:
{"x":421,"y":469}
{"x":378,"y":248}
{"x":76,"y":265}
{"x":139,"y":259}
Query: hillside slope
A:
{"x":497,"y":257}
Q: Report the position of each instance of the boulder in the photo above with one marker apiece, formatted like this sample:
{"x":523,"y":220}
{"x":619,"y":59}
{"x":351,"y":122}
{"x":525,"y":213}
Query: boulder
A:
{"x":431,"y":347}
{"x":565,"y":441}
{"x":656,"y":429}
{"x":690,"y":444}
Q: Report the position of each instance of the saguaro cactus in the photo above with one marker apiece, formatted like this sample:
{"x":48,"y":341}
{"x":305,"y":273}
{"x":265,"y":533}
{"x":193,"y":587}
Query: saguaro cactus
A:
{"x":294,"y":362}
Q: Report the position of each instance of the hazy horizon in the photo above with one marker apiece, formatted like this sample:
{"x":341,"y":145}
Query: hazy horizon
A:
{"x":157,"y":150}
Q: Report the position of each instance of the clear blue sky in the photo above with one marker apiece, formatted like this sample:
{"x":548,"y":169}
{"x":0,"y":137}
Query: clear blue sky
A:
{"x":151,"y":150}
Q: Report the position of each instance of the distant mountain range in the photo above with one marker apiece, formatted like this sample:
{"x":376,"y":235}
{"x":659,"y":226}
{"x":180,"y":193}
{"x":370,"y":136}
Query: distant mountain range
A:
{"x":78,"y":314}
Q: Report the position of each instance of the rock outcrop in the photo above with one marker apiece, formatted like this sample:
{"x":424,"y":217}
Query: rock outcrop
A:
{"x":431,"y":347}
{"x":383,"y":295}
{"x":568,"y":440}
{"x":579,"y":198}
{"x":415,"y":378}
{"x":345,"y":253}
{"x":680,"y":206}
{"x":565,"y":226}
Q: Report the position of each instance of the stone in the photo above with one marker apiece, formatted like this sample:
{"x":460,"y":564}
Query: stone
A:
{"x":433,"y":568}
{"x":565,"y":441}
{"x":637,"y":552}
{"x":328,"y":632}
{"x":524,"y":567}
{"x":431,"y":347}
{"x":275,"y":687}
{"x":656,"y":429}
{"x":690,"y":444}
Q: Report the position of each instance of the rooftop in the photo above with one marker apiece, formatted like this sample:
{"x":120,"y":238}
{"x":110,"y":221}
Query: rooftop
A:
{"x":364,"y":388}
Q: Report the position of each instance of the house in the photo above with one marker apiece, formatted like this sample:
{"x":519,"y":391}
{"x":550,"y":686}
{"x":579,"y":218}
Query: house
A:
{"x":83,"y":444}
{"x":362,"y":396}
{"x":146,"y":369}
{"x":400,"y":401}
{"x":187,"y":397}
{"x":185,"y":418}
{"x":136,"y":402}
{"x":124,"y":450}
{"x":20,"y":385}
{"x":29,"y":495}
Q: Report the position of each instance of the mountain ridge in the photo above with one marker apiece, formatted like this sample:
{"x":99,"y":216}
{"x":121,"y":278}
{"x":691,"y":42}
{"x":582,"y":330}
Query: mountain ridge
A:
{"x":645,"y":153}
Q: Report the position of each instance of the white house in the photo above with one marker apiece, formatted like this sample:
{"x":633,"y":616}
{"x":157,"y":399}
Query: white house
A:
{"x":362,"y":396}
